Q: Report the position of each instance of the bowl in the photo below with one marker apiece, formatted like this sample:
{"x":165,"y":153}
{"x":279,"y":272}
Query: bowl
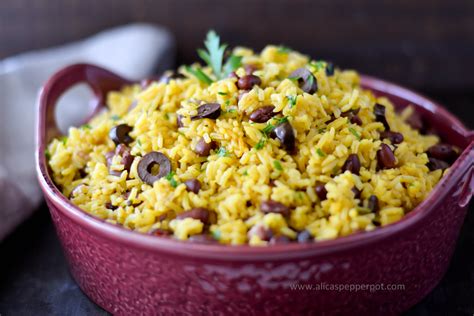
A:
{"x":387,"y":270}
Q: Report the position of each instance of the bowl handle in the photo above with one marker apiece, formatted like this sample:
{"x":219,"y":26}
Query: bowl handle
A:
{"x":100,"y":80}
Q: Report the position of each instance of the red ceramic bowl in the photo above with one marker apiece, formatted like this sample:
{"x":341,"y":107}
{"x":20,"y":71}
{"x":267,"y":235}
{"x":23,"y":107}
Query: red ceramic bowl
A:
{"x":384,"y":271}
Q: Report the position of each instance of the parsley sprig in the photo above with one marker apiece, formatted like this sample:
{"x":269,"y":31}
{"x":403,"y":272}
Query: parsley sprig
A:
{"x":213,"y":55}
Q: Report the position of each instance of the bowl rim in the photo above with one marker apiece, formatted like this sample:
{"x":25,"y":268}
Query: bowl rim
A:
{"x":117,"y":233}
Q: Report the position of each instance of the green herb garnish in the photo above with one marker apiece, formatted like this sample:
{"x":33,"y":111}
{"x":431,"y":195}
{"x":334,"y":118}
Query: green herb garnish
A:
{"x":63,"y":140}
{"x":86,"y":126}
{"x":115,"y":117}
{"x":216,"y":234}
{"x":320,"y":152}
{"x":283,"y":49}
{"x":227,"y":102}
{"x":167,"y":116}
{"x":268,"y":129}
{"x":245,"y":173}
{"x":214,"y":55}
{"x":261,"y":143}
{"x":354,"y":132}
{"x":231,"y":110}
{"x":171,"y":179}
{"x":222,"y":152}
{"x":222,"y":93}
{"x":320,"y":64}
{"x":199,"y":74}
{"x":139,"y":142}
{"x":292,"y":100}
{"x":282,"y":120}
{"x":277,"y":165}
{"x":322,"y":130}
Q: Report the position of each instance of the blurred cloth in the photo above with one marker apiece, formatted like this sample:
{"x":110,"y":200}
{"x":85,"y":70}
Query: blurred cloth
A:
{"x":133,"y":51}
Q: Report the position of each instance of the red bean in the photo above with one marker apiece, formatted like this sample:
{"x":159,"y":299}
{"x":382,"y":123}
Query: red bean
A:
{"x":321,"y":191}
{"x":247,"y":82}
{"x":262,"y":114}
{"x":279,"y":240}
{"x":385,"y":157}
{"x":209,"y":110}
{"x":394,"y":137}
{"x":249,"y":69}
{"x":271,"y":206}
{"x":193,"y":185}
{"x":435,"y":164}
{"x":285,"y":134}
{"x":379,"y":111}
{"x":261,"y":232}
{"x":443,"y":152}
{"x":198,"y":213}
{"x":352,"y":164}
{"x":203,"y":149}
{"x":356,"y":192}
{"x":415,"y":121}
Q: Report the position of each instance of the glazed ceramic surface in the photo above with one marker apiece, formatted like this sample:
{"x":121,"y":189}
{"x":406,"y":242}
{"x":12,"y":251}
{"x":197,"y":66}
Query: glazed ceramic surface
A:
{"x":128,"y":273}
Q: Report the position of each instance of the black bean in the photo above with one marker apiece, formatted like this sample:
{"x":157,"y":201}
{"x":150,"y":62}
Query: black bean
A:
{"x":435,"y":164}
{"x":356,"y":192}
{"x":193,"y":185}
{"x":329,"y":69}
{"x":119,"y":134}
{"x":352,"y":164}
{"x":373,"y":203}
{"x":271,"y":206}
{"x":304,"y":237}
{"x":203,"y":149}
{"x":379,"y":111}
{"x":261,"y":232}
{"x":179,"y":120}
{"x":202,"y":239}
{"x":199,"y":213}
{"x":356,"y":120}
{"x":263,"y":114}
{"x":279,"y":240}
{"x":394,"y":137}
{"x":110,"y":206}
{"x":385,"y":157}
{"x":353,"y":117}
{"x":285,"y":134}
{"x":306,"y":80}
{"x":147,"y":163}
{"x":443,"y":152}
{"x":321,"y":191}
{"x":247,"y":82}
{"x":208,"y":110}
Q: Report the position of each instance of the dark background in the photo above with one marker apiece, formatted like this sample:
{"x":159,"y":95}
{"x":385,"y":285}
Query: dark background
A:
{"x":427,"y":45}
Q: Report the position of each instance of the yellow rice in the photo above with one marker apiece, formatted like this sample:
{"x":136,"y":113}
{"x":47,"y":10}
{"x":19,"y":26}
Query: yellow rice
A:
{"x":241,"y":177}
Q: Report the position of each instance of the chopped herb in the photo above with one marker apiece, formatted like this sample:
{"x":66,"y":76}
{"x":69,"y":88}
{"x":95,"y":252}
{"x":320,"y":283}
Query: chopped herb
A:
{"x":214,"y":56}
{"x":167,"y":116}
{"x":292,"y":100}
{"x":181,"y":133}
{"x":86,"y":126}
{"x":320,"y":152}
{"x":354,"y":132}
{"x":282,"y":120}
{"x":268,"y":129}
{"x":199,"y":74}
{"x":277,"y":165}
{"x":245,"y":173}
{"x":47,"y":154}
{"x":222,"y":93}
{"x":171,"y":179}
{"x":310,"y":80}
{"x":139,"y":142}
{"x":322,"y":130}
{"x":222,"y":152}
{"x":63,"y":140}
{"x":283,"y":49}
{"x":227,"y":102}
{"x":320,"y":64}
{"x":231,"y":110}
{"x":299,"y":195}
{"x":260,"y":144}
{"x":115,"y":117}
{"x":216,"y":234}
